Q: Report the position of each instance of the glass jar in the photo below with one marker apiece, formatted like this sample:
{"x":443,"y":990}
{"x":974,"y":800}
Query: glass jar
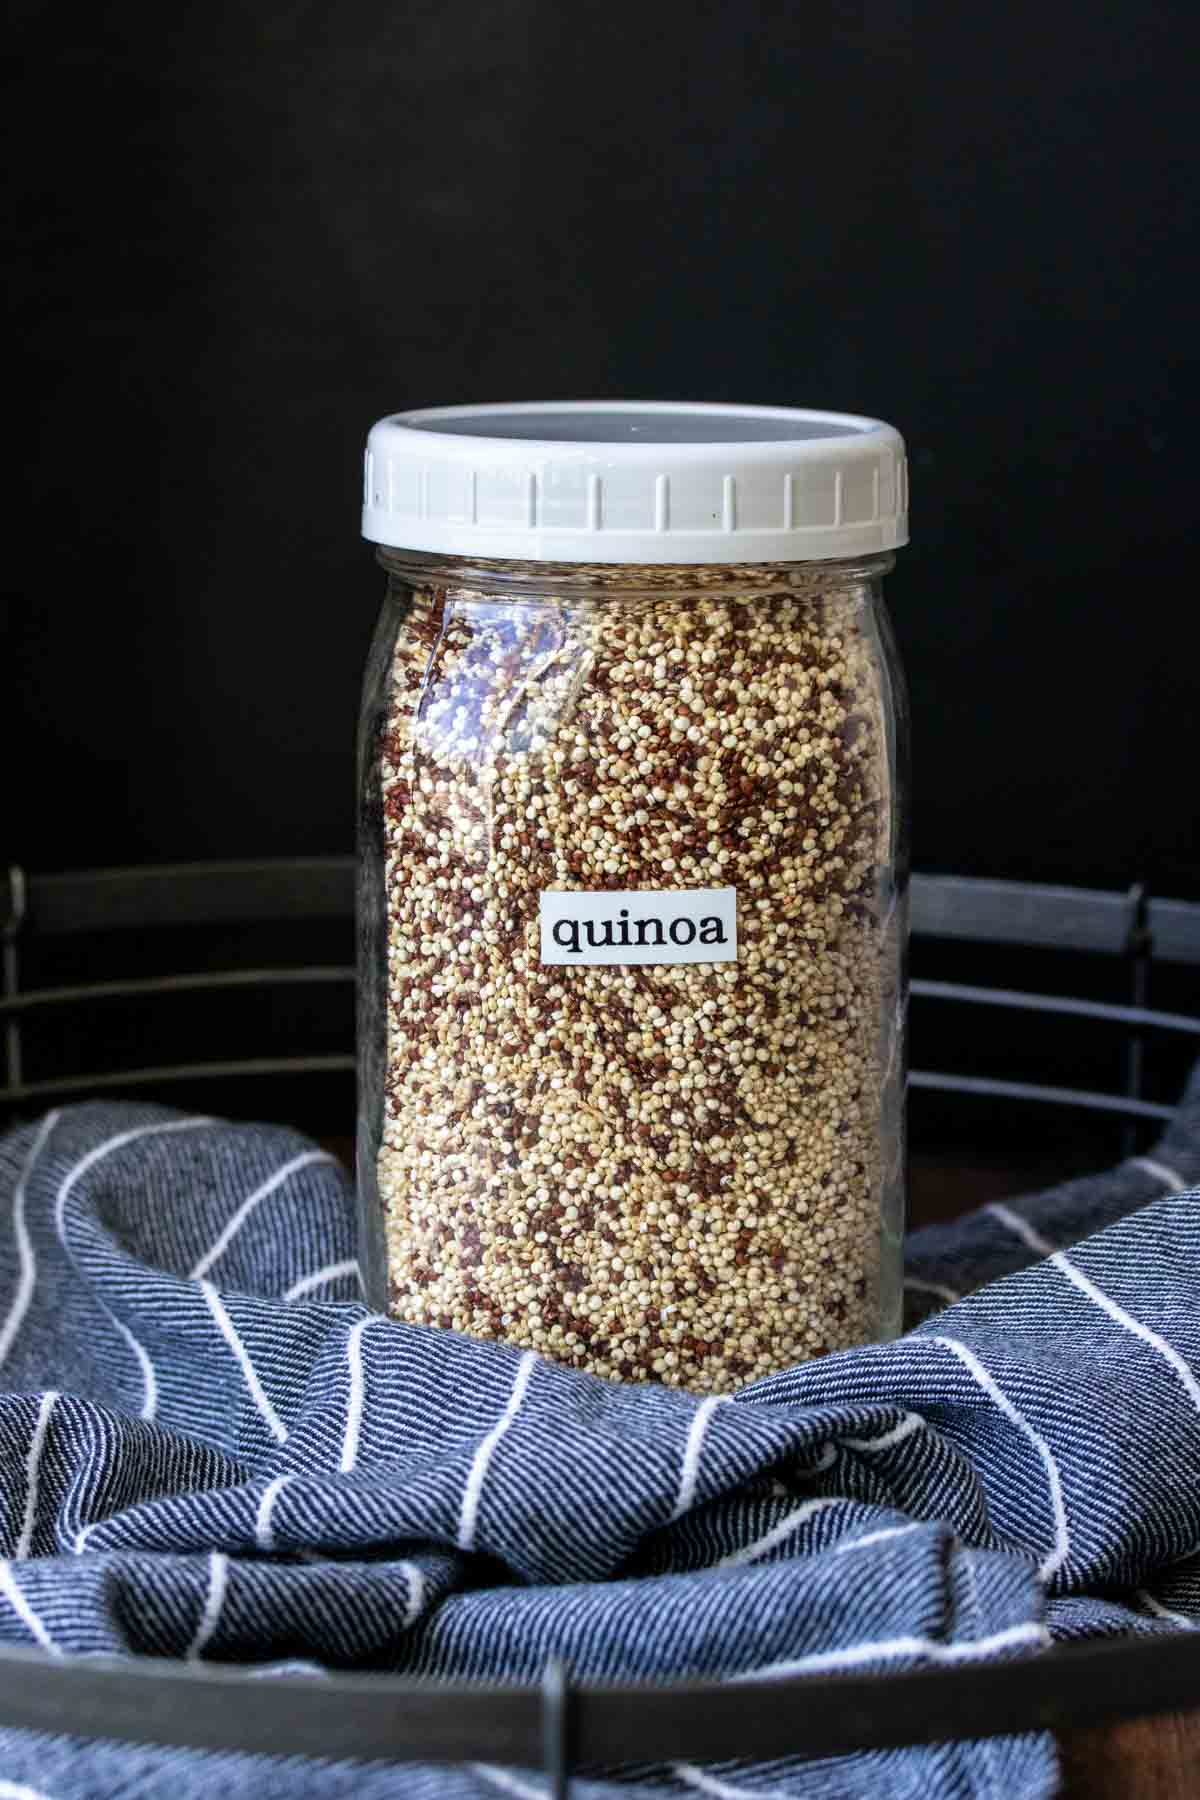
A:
{"x":632,"y":907}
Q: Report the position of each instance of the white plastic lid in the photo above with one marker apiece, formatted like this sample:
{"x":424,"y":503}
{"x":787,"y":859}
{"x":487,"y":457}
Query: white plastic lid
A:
{"x":612,"y":481}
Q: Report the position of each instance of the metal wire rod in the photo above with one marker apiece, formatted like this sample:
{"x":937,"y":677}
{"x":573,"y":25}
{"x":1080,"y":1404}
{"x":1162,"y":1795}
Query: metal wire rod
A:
{"x":214,"y":1071}
{"x":164,"y":1701}
{"x":172,"y":984}
{"x":1055,"y":1003}
{"x":1026,"y":1090}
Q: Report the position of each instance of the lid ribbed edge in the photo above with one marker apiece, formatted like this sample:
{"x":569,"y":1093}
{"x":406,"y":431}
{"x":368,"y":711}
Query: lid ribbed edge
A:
{"x":718,"y":484}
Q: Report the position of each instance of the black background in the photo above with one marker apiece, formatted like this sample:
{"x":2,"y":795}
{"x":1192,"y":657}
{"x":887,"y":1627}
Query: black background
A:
{"x":246,"y":231}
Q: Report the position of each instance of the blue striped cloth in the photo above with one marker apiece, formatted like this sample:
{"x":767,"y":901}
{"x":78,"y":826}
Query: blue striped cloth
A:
{"x":210,"y":1449}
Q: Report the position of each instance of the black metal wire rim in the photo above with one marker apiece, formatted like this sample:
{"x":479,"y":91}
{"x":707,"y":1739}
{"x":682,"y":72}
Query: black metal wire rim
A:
{"x":376,"y":1717}
{"x":323,"y":887}
{"x":1028,"y":1090}
{"x":129,"y":1079}
{"x":317,"y":974}
{"x":1061,"y":1005}
{"x":159,"y":985}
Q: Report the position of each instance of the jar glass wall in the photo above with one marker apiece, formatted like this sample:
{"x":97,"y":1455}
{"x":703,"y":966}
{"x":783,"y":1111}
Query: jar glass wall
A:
{"x":692,"y":1171}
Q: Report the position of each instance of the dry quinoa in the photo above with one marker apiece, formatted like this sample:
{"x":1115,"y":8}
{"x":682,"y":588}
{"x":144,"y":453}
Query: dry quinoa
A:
{"x":654,"y":1172}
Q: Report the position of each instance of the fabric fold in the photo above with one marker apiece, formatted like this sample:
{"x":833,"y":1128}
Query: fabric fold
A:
{"x":210,"y":1449}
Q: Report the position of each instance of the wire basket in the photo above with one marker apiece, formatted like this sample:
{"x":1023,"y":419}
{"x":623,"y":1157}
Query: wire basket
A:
{"x":57,"y":928}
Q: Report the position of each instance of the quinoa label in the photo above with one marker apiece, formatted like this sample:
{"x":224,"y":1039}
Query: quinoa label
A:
{"x":681,"y":925}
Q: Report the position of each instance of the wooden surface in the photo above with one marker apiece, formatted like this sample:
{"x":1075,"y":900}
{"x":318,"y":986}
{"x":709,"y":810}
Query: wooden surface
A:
{"x":1141,"y":1759}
